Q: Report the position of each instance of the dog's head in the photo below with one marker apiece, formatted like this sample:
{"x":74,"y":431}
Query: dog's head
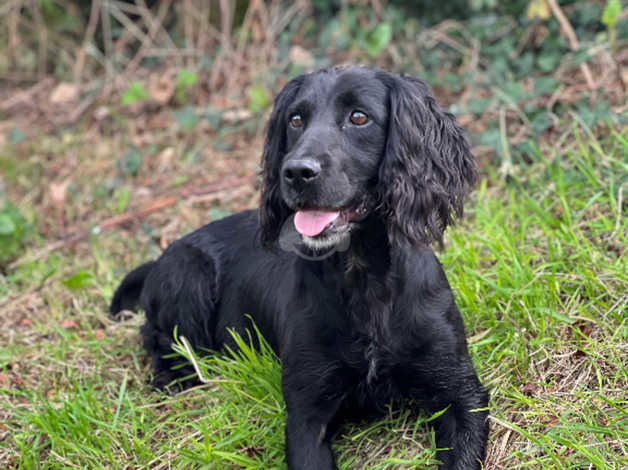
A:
{"x":346,"y":144}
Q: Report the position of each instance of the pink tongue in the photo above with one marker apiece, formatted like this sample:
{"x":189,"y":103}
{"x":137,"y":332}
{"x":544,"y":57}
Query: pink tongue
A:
{"x":311,"y":223}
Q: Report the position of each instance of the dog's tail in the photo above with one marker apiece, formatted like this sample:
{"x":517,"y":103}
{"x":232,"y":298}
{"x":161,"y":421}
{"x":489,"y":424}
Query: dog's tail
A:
{"x":128,"y":292}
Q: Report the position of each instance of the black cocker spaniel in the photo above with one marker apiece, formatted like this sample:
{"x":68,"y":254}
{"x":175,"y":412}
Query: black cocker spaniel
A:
{"x":362,"y":170}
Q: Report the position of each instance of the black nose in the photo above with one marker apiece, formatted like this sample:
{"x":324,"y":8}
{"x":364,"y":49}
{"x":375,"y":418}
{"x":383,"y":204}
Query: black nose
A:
{"x":296,"y":172}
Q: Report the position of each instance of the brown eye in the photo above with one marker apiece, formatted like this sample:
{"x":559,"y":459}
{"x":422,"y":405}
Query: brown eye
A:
{"x":296,"y":121}
{"x":358,"y":118}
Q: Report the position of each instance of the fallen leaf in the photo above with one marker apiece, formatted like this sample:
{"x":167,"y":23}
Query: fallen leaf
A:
{"x":101,"y":113}
{"x":530,"y":389}
{"x":26,"y":322}
{"x":67,"y":324}
{"x":553,"y":421}
{"x":586,"y":329}
{"x":237,"y":115}
{"x":301,"y":56}
{"x":161,"y":87}
{"x":59,"y":191}
{"x":63,"y":93}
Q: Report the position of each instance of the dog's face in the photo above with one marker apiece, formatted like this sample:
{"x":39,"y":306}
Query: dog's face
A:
{"x":344,"y":144}
{"x":335,"y":137}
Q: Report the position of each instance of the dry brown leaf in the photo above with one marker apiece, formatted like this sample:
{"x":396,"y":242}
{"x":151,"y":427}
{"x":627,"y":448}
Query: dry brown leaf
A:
{"x":301,"y":56}
{"x":161,"y":87}
{"x":58,"y":192}
{"x":68,"y":324}
{"x":64,"y":93}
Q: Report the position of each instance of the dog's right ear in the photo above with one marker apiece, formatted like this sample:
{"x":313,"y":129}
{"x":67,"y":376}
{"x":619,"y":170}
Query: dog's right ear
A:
{"x":273,"y":212}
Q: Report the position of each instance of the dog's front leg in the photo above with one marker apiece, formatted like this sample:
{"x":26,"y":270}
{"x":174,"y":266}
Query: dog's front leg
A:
{"x":462,"y":430}
{"x":312,"y":401}
{"x":307,"y":443}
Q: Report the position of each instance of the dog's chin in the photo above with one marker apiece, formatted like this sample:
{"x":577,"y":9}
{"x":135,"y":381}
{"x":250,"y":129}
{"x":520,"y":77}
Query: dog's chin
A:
{"x":326,"y":241}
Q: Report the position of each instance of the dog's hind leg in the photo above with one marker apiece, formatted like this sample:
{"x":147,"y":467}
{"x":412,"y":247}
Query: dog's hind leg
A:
{"x":179,"y":294}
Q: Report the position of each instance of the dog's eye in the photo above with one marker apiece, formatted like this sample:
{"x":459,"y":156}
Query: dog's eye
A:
{"x":296,"y":120}
{"x":358,"y":118}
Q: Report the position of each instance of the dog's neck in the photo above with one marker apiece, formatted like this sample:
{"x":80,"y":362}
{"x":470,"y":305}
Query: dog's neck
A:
{"x":368,"y":252}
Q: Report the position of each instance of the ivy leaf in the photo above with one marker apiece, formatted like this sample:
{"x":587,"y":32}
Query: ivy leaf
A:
{"x":544,"y":86}
{"x":478,"y":106}
{"x":131,"y":162}
{"x":540,"y":122}
{"x":378,"y":39}
{"x":186,"y":79}
{"x":548,"y":62}
{"x":80,"y":280}
{"x":611,"y":13}
{"x":492,"y":139}
{"x":123,"y":197}
{"x":216,"y":213}
{"x":538,"y":9}
{"x":213,"y":117}
{"x":135,"y":93}
{"x":16,"y":136}
{"x":187,"y":118}
{"x":7,"y":226}
{"x":13,"y":228}
{"x":258,"y":99}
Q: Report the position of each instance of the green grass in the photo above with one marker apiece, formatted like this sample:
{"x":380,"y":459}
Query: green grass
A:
{"x":539,"y":269}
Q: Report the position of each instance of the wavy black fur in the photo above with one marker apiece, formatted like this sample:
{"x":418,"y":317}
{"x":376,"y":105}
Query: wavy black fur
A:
{"x":358,"y":328}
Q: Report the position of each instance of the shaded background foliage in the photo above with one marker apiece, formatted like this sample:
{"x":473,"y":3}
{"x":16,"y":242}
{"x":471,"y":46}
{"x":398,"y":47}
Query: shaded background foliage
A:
{"x":505,"y":68}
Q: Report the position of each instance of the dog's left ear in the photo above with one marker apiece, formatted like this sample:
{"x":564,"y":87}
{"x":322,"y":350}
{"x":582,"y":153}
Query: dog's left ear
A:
{"x":428,"y":166}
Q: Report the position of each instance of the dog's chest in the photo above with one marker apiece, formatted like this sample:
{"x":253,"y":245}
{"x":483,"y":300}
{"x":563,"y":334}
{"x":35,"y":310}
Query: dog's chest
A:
{"x":373,"y":368}
{"x":370,"y":354}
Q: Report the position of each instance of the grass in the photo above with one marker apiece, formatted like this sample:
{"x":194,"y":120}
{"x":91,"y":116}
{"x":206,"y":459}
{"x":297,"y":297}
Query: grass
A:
{"x":539,"y":269}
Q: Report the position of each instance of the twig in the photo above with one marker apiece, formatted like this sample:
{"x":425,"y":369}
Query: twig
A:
{"x":8,"y":6}
{"x":108,"y":43}
{"x":226,"y":20}
{"x":150,"y":38}
{"x":106,"y":224}
{"x":26,"y":96}
{"x":571,"y":37}
{"x":77,"y":111}
{"x":215,"y":187}
{"x":94,"y":15}
{"x":14,"y":20}
{"x":506,"y":168}
{"x":202,"y":40}
{"x":620,"y":196}
{"x":188,"y":28}
{"x":112,"y":222}
{"x":126,"y":22}
{"x":42,"y":37}
{"x":129,"y":216}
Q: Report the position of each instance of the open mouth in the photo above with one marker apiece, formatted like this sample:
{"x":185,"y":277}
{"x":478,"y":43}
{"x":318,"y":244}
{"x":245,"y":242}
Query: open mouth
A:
{"x":318,"y":223}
